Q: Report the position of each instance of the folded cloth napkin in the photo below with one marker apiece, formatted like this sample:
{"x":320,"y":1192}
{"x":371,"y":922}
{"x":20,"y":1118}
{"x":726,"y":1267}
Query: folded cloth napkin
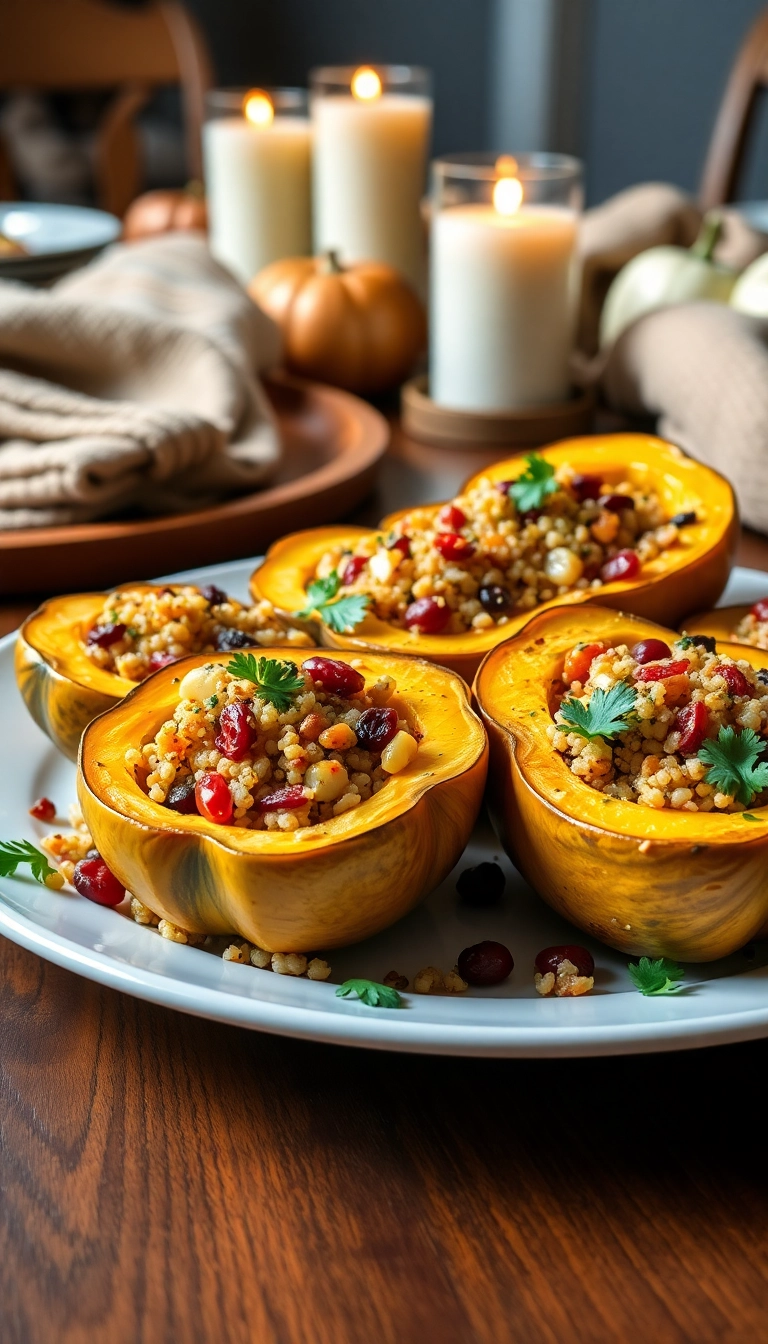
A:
{"x":133,"y":382}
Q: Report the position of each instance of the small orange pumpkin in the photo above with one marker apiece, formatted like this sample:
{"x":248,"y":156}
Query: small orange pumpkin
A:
{"x":359,"y":327}
{"x":166,"y":211}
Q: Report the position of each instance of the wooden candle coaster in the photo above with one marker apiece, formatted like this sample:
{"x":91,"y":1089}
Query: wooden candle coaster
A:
{"x":527,"y":428}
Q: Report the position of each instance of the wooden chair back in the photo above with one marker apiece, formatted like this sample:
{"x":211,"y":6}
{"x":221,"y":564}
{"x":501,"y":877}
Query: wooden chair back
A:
{"x":735,"y":118}
{"x":60,"y":45}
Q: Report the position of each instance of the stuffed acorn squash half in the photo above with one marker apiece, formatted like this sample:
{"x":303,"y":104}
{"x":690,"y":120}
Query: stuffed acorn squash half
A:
{"x":628,"y":779}
{"x":301,"y":808}
{"x":78,"y":655}
{"x":746,"y":623}
{"x":624,"y":520}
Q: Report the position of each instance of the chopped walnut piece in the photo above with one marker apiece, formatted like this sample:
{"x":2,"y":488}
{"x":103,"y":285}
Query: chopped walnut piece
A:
{"x":395,"y":980}
{"x":318,"y":969}
{"x":289,"y":963}
{"x":567,"y":984}
{"x":453,"y":983}
{"x":260,"y":959}
{"x":237,"y":952}
{"x":142,"y":913}
{"x":428,"y":981}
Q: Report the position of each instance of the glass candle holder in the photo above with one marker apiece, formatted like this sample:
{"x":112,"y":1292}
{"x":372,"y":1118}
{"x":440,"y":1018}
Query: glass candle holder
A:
{"x":372,"y":129}
{"x":257,"y":147}
{"x":503,"y":284}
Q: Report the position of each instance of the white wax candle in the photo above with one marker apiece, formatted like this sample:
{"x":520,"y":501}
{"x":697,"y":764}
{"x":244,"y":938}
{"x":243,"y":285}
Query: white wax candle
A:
{"x":503,"y":289}
{"x":258,"y":188}
{"x":368,"y":179}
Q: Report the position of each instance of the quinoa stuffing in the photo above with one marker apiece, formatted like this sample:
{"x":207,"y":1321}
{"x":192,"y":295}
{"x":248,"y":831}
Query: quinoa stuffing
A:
{"x":141,"y":629}
{"x":753,"y":628}
{"x":682,"y":727}
{"x":502,"y":547}
{"x":265,"y":745}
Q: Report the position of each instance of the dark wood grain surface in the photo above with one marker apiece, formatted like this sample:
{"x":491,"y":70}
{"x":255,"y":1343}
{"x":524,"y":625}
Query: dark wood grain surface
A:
{"x":166,"y":1179}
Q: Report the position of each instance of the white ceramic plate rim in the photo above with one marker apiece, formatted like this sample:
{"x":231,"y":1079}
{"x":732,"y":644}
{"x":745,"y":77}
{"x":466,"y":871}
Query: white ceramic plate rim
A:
{"x":730,"y":1008}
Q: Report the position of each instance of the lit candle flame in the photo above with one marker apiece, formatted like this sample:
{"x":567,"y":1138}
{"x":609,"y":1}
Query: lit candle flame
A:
{"x":508,"y":195}
{"x":257,"y":108}
{"x":366,"y":84}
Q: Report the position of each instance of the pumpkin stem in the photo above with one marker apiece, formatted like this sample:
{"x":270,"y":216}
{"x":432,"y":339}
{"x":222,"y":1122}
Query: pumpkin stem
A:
{"x":709,"y":235}
{"x":330,"y":264}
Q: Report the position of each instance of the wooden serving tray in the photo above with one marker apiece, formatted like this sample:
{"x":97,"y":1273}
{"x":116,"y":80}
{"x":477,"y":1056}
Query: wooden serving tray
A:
{"x":332,"y":443}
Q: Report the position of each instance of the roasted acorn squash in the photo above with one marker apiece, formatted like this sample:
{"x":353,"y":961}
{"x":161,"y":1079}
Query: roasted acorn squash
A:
{"x":694,"y":571}
{"x":342,"y":880}
{"x":62,"y":687}
{"x":678,"y":884}
{"x":721,"y":622}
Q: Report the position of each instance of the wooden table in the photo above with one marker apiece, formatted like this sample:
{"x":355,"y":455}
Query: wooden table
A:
{"x":166,"y":1179}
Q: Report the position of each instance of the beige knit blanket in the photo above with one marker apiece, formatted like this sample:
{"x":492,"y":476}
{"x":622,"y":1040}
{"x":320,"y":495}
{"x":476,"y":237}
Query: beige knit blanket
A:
{"x":702,"y":368}
{"x":132,"y":383}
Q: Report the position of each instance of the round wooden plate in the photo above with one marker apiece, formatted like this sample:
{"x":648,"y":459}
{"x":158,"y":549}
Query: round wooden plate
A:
{"x":332,"y":443}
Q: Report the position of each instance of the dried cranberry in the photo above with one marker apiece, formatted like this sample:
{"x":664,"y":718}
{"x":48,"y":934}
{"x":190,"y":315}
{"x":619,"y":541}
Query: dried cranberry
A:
{"x":216,"y":596}
{"x":493,"y":598}
{"x":504,"y":487}
{"x":734,"y":679}
{"x":650,"y":651}
{"x":335,"y":678}
{"x":451,"y":519}
{"x":94,"y":880}
{"x":353,"y":567}
{"x":158,"y":660}
{"x":692,"y":724}
{"x":375,"y":728}
{"x":553,"y":957}
{"x":453,"y":547}
{"x":236,"y":731}
{"x":181,"y":796}
{"x":760,"y":609}
{"x":105,"y":635}
{"x":427,"y":616}
{"x":481,"y":886}
{"x":684,"y":519}
{"x":403,"y":545}
{"x":615,"y":503}
{"x":485,"y":963}
{"x":585,"y":486}
{"x":283,"y":800}
{"x":43,"y":809}
{"x":622,"y":565}
{"x":214,"y":801}
{"x":228,"y":639}
{"x":660,"y":671}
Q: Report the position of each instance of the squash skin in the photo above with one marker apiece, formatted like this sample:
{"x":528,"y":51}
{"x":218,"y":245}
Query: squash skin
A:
{"x":353,"y":877}
{"x":60,"y":685}
{"x":667,"y":588}
{"x":681,"y":885}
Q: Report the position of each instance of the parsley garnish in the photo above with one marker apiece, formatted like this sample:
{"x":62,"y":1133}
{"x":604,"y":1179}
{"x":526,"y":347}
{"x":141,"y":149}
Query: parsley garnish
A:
{"x":343,"y":614}
{"x":606,"y":715}
{"x":212,"y":702}
{"x":275,"y":680}
{"x":655,"y":977}
{"x":534,"y":484}
{"x":734,"y":763}
{"x":14,"y":852}
{"x":747,"y":816}
{"x":368,"y":991}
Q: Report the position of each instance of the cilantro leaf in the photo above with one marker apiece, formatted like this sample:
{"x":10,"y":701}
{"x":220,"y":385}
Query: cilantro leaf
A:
{"x":735,"y":764}
{"x":371,"y":993}
{"x":534,"y":484}
{"x":15,"y":852}
{"x":342,"y":615}
{"x":655,"y":977}
{"x":607,"y":714}
{"x":275,"y":680}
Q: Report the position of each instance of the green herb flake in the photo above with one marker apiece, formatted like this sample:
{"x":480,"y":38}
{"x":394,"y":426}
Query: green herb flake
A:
{"x":212,"y":702}
{"x":607,"y":714}
{"x":655,"y":977}
{"x":534,"y":484}
{"x":736,"y":763}
{"x":276,"y":680}
{"x":341,"y":615}
{"x":15,"y":852}
{"x":747,"y":816}
{"x":370,"y":993}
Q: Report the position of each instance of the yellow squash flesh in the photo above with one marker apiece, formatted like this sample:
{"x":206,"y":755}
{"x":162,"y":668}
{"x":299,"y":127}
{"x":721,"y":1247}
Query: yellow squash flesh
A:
{"x":656,"y":883}
{"x":694,"y":571}
{"x":325,"y":886}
